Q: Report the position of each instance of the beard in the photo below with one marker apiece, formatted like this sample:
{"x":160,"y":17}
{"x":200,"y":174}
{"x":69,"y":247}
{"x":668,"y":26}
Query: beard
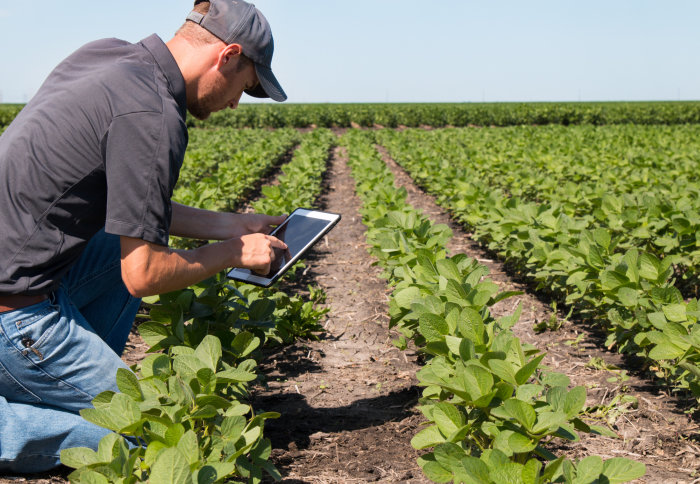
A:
{"x":210,"y":99}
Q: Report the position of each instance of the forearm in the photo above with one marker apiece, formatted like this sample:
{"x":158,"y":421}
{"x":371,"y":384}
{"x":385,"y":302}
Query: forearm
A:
{"x":195,"y":223}
{"x":165,"y":270}
{"x":149,"y":269}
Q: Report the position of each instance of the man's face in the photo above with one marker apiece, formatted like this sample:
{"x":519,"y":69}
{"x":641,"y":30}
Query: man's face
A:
{"x":221,"y":88}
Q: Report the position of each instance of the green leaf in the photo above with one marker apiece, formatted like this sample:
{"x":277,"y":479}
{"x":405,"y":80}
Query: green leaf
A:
{"x":174,"y":434}
{"x":405,"y":297}
{"x":87,"y":476}
{"x":78,"y":457}
{"x":448,"y":418}
{"x":455,"y":292}
{"x":658,"y":320}
{"x":448,"y":269}
{"x":504,"y":370}
{"x":477,"y":470}
{"x":619,"y":469}
{"x":271,"y":191}
{"x":232,"y":427}
{"x":157,"y":366}
{"x":628,"y":296}
{"x":575,"y":400}
{"x":103,"y":399}
{"x":212,"y":400}
{"x":129,"y":384}
{"x":436,"y":473}
{"x":122,"y":413}
{"x":237,"y":375}
{"x":665,"y":350}
{"x":433,"y":327}
{"x":209,"y":351}
{"x":187,"y":366}
{"x":549,"y":422}
{"x":170,"y":467}
{"x":522,"y":412}
{"x":675,"y":312}
{"x":600,"y":430}
{"x":427,"y":437}
{"x":108,"y":447}
{"x":215,"y":471}
{"x":520,"y":443}
{"x":245,"y":343}
{"x":588,"y":470}
{"x":449,"y":456}
{"x":649,"y":267}
{"x":477,"y":382}
{"x":556,"y":379}
{"x":524,"y":373}
{"x":153,"y":333}
{"x":189,"y":447}
{"x":510,"y":472}
{"x":611,"y":280}
{"x":602,"y":237}
{"x":531,"y":471}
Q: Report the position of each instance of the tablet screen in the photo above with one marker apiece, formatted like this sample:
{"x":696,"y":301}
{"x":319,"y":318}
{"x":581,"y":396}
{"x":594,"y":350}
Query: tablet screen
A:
{"x":299,"y":231}
{"x":296,"y":233}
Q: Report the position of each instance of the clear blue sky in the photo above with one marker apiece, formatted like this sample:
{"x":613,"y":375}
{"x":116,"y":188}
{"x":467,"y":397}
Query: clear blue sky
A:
{"x":405,"y":50}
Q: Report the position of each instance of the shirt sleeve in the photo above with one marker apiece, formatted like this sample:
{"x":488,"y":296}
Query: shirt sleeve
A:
{"x":141,"y":170}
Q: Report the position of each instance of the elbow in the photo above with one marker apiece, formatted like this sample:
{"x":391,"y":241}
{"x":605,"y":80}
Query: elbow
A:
{"x":139,"y":267}
{"x":138,"y":292}
{"x":137,"y":283}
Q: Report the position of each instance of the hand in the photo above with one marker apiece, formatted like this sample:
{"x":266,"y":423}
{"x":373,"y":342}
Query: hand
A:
{"x":257,"y":251}
{"x":251,"y":223}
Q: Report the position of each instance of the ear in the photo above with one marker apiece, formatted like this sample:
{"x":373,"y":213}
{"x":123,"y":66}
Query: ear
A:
{"x":228,"y":53}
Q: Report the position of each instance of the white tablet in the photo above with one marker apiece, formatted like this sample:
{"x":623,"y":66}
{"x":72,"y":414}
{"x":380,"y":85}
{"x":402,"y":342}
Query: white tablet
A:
{"x":301,"y":230}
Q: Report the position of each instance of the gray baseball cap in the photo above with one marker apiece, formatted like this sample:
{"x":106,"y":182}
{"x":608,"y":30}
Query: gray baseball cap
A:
{"x":239,"y":22}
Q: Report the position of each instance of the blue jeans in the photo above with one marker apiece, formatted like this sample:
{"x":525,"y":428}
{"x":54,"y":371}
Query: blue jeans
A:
{"x":75,"y":341}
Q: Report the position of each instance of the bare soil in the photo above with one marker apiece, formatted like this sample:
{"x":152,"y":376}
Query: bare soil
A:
{"x":349,"y":400}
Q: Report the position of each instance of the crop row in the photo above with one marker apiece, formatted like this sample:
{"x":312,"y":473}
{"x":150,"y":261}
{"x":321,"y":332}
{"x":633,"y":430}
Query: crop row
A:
{"x":613,"y":265}
{"x":440,"y":114}
{"x":492,"y":407}
{"x":8,"y":112}
{"x":640,"y":183}
{"x":456,"y":114}
{"x":185,"y":419}
{"x":225,"y":164}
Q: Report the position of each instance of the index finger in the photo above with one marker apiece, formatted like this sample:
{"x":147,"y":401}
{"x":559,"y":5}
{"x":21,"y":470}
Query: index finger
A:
{"x":275,"y":242}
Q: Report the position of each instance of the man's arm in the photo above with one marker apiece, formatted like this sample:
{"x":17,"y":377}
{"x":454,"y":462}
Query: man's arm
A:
{"x":196,"y":223}
{"x":149,"y":269}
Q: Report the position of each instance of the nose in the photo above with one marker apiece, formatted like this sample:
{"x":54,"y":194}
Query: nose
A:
{"x":234,"y":104}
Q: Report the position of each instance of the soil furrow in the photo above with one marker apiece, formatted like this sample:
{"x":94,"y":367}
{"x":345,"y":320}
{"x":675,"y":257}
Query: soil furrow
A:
{"x":654,"y":431}
{"x":348,"y":400}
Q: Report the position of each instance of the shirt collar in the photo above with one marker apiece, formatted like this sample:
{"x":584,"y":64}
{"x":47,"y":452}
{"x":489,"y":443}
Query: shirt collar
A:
{"x":167,"y":64}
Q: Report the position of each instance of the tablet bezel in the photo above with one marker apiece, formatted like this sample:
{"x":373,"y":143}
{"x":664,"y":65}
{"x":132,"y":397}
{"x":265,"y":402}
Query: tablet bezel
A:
{"x":237,"y":274}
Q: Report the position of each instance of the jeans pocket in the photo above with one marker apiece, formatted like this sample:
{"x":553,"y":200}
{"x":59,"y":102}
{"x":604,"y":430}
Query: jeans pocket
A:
{"x":20,"y":332}
{"x":35,"y":331}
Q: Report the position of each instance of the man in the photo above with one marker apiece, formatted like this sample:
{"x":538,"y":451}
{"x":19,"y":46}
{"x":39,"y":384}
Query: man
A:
{"x":87,"y":170}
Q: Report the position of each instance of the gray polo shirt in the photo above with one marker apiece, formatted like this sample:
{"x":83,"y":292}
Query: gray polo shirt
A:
{"x":100,"y":145}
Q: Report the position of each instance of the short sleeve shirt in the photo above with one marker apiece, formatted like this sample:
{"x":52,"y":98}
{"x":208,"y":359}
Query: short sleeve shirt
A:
{"x":100,"y":145}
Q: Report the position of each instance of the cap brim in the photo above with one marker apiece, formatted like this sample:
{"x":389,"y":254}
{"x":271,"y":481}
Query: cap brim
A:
{"x":267,"y":85}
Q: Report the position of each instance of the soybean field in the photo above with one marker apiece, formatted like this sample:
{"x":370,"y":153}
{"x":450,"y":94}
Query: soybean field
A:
{"x":510,"y":297}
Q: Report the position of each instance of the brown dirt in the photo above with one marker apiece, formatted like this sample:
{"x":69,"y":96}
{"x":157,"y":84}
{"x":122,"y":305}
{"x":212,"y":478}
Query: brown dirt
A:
{"x":348,"y":400}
